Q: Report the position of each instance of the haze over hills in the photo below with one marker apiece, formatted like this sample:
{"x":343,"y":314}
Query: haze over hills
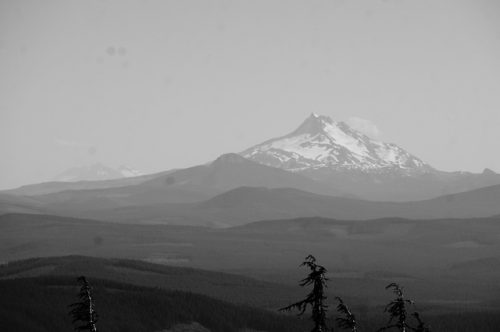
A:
{"x":227,"y":172}
{"x":247,"y":204}
{"x":188,"y":185}
{"x":58,"y":186}
{"x":20,"y":204}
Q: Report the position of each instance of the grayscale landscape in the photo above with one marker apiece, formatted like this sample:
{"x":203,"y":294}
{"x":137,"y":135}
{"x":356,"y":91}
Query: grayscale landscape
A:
{"x":242,"y":166}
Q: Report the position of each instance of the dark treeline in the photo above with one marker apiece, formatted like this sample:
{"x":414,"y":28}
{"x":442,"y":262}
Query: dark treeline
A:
{"x":223,"y":286}
{"x":485,"y":321}
{"x":401,"y":311}
{"x":41,"y":305}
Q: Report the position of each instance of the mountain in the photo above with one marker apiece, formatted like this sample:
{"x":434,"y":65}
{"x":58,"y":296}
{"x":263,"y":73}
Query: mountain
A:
{"x":320,"y":142}
{"x":333,"y":153}
{"x":96,"y":172}
{"x":230,"y":171}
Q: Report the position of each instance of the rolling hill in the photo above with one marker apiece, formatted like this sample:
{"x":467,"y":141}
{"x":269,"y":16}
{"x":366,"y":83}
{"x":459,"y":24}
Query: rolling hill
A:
{"x":223,"y":286}
{"x":41,"y":305}
{"x":361,"y":255}
{"x":247,"y":204}
{"x":435,"y":260}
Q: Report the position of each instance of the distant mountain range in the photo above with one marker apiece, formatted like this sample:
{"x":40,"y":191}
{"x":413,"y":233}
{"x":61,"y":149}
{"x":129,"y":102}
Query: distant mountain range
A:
{"x":143,"y":204}
{"x":96,"y":172}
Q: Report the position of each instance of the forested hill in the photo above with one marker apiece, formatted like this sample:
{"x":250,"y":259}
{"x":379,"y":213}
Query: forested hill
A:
{"x":223,"y":286}
{"x":41,"y":305}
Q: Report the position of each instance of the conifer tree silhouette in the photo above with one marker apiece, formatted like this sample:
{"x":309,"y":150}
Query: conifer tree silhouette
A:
{"x":397,"y":310}
{"x":83,"y":311}
{"x":348,"y":321}
{"x":316,"y":298}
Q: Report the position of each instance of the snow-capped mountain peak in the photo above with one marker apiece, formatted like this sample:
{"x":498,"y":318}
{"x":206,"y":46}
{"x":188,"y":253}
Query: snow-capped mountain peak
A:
{"x":96,"y":172}
{"x":129,"y":172}
{"x":320,"y":142}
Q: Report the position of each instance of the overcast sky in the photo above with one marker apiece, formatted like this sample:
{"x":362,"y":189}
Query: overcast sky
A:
{"x":166,"y":84}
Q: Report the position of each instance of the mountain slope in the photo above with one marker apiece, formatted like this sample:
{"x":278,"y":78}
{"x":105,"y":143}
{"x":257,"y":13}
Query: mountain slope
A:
{"x":223,"y":286}
{"x":181,"y":186}
{"x":231,"y":171}
{"x":41,"y":305}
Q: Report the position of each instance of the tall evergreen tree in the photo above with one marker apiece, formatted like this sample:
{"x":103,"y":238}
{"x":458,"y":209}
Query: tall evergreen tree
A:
{"x":397,"y":310}
{"x":348,"y":321}
{"x":316,"y":298}
{"x":83,"y":311}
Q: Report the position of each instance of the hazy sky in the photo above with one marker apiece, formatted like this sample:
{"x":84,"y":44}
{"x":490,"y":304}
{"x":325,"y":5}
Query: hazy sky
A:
{"x":166,"y":84}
